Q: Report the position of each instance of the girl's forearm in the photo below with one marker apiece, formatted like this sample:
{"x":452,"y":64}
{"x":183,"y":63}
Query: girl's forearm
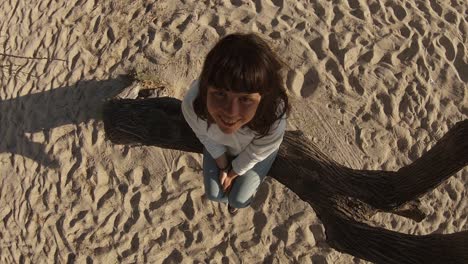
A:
{"x":222,"y":161}
{"x":232,"y":174}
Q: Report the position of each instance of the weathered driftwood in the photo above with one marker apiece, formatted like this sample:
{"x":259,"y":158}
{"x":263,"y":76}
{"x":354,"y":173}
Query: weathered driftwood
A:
{"x":343,"y":198}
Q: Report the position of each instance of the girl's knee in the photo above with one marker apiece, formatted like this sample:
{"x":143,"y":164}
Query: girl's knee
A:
{"x":238,"y":202}
{"x":214,"y":197}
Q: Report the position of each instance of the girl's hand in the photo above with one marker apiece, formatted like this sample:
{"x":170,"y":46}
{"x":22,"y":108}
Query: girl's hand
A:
{"x":227,"y":180}
{"x":222,"y":178}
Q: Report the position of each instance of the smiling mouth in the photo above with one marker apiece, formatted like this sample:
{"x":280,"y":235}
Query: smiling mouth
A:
{"x":227,"y":122}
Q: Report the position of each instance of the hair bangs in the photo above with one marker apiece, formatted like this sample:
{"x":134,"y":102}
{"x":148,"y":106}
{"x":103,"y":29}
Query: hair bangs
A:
{"x":241,"y":71}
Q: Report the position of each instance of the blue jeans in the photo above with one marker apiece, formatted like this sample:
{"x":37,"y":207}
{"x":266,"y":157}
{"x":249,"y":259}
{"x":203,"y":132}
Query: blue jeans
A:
{"x":244,"y":186}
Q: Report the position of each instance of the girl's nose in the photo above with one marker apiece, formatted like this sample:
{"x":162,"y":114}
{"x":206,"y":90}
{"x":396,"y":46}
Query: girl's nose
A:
{"x":231,"y":108}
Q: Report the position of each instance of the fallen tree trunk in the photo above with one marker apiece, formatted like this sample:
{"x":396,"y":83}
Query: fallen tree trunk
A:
{"x":343,"y":198}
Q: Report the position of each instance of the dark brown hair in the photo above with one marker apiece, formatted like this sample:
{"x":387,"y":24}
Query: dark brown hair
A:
{"x":245,"y":63}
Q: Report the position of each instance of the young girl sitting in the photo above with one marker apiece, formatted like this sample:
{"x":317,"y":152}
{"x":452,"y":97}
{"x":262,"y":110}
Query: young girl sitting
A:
{"x":237,"y":109}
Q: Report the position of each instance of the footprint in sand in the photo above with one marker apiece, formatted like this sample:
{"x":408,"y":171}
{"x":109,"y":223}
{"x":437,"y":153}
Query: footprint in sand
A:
{"x":356,"y":9}
{"x":436,"y":7}
{"x":134,"y":246}
{"x":410,"y":52}
{"x":188,"y":207}
{"x":297,"y":83}
{"x":448,"y":46}
{"x":337,"y":16}
{"x":135,"y":212}
{"x":214,"y":23}
{"x":398,"y":11}
{"x":460,"y":63}
{"x":170,"y":44}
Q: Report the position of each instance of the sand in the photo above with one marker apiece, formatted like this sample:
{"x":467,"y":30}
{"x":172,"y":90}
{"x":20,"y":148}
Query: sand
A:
{"x":373,"y":83}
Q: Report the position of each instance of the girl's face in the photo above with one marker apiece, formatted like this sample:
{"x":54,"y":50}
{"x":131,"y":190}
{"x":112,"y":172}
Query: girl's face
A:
{"x":231,"y":110}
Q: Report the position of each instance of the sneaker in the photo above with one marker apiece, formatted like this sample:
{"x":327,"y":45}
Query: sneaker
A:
{"x":232,"y":210}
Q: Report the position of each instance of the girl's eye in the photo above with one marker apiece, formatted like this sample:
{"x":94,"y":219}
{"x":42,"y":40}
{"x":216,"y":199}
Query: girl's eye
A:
{"x":245,"y":100}
{"x":219,"y":94}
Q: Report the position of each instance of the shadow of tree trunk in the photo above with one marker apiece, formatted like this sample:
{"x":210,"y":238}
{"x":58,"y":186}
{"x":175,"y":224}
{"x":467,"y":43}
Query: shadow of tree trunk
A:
{"x":43,"y":111}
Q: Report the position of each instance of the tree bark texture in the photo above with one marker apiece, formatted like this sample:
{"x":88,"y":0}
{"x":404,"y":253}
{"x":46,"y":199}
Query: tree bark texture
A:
{"x":344,"y":198}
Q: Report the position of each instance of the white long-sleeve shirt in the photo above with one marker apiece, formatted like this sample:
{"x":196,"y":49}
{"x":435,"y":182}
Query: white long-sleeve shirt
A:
{"x":249,"y":151}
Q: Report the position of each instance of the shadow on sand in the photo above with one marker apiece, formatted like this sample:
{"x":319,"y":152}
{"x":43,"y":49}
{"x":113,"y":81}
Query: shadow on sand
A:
{"x":43,"y":111}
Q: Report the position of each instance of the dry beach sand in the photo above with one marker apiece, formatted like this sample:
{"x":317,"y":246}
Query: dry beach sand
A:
{"x":374,"y":83}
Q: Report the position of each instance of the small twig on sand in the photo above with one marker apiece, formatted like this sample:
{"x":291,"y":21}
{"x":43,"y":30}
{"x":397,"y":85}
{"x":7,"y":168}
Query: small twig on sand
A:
{"x":31,"y":58}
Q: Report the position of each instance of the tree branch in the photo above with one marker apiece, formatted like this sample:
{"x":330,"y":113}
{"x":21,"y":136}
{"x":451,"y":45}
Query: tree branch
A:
{"x":344,"y":198}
